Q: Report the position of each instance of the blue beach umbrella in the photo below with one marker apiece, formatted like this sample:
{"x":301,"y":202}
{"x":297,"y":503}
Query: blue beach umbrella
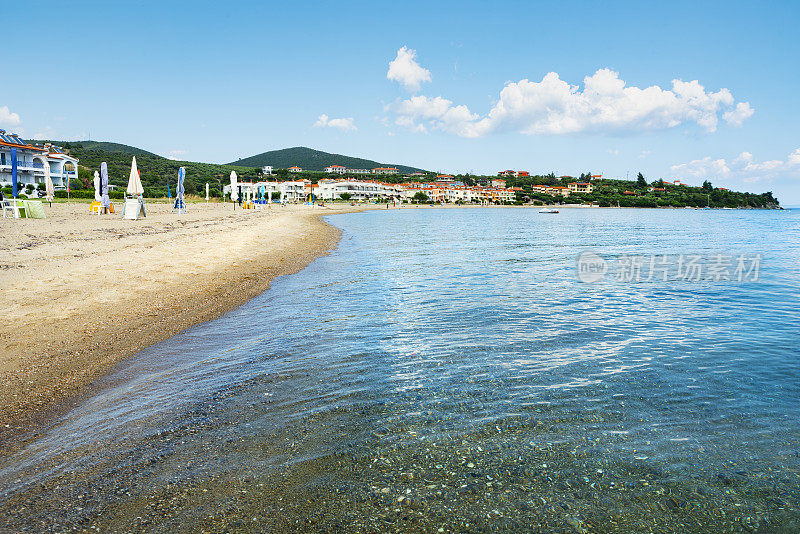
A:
{"x":14,"y":172}
{"x":169,"y":195}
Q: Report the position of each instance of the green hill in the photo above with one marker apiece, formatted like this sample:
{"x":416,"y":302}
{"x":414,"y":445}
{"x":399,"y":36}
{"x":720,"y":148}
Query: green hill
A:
{"x":314,"y":160}
{"x":155,"y":170}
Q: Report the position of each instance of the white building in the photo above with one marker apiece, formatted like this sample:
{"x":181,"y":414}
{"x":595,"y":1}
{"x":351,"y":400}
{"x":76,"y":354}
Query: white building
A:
{"x":290,"y":191}
{"x":31,"y":161}
{"x":337,"y":169}
{"x":294,"y":169}
{"x":357,"y":189}
{"x":266,"y":170}
{"x":385,"y":170}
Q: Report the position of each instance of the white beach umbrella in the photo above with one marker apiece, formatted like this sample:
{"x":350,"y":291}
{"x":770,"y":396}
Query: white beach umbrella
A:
{"x":49,"y":190}
{"x":134,"y":181}
{"x":206,"y":192}
{"x":234,"y":187}
{"x":97,"y":197}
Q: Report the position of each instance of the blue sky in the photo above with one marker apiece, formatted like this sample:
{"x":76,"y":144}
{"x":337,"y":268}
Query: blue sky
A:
{"x":470,"y":90}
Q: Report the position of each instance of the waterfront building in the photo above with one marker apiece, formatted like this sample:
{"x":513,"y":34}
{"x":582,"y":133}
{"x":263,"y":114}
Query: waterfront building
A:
{"x":553,"y":190}
{"x":357,"y":189}
{"x":31,"y":161}
{"x":385,"y":170}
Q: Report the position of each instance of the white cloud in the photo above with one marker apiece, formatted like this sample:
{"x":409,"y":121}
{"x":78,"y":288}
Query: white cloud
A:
{"x":48,"y":132}
{"x":702,"y":169}
{"x":643,"y":154}
{"x":743,"y":158}
{"x":605,"y":105}
{"x":743,"y":168}
{"x":613,"y":151}
{"x":45,"y":133}
{"x":7,"y":118}
{"x":176,"y":154}
{"x":737,"y":116}
{"x":405,"y":70}
{"x":344,"y":124}
{"x":439,"y":112}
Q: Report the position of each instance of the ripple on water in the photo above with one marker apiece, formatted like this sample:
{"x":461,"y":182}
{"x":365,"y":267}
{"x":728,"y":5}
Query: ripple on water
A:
{"x":448,"y":372}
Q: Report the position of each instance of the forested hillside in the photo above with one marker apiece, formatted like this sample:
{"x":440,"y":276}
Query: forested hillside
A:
{"x":314,"y":160}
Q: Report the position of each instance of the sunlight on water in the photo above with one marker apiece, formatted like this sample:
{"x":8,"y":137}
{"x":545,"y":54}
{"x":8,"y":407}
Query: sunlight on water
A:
{"x":446,"y":369}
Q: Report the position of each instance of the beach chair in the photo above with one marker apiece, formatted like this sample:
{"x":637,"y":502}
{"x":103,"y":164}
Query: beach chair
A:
{"x":8,"y":209}
{"x":17,"y":208}
{"x":34,"y":209}
{"x":133,"y":209}
{"x":96,"y":207}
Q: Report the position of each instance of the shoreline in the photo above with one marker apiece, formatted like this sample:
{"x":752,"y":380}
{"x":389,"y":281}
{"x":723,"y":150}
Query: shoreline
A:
{"x":83,"y":292}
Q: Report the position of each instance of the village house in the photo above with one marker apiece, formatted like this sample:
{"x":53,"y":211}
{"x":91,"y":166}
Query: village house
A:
{"x":580,"y":187}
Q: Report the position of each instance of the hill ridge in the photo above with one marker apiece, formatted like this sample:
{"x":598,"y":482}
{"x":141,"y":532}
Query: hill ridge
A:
{"x":314,"y":160}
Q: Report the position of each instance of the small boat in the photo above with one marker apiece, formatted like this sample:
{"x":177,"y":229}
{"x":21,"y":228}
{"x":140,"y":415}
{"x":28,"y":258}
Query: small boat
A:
{"x":548,"y":210}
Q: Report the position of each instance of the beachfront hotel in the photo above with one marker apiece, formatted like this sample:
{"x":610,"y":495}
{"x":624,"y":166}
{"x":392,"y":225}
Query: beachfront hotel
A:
{"x":358,"y":189}
{"x":31,"y":161}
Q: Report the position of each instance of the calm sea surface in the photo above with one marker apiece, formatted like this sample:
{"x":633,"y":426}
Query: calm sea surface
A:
{"x":445,"y":370}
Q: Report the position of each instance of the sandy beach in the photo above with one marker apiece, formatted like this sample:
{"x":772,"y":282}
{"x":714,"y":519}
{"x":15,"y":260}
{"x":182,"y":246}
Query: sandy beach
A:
{"x":82,"y":292}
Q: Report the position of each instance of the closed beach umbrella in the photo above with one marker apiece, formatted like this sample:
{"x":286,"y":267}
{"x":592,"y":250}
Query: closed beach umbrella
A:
{"x":179,"y":189}
{"x":49,"y":190}
{"x":234,"y":188}
{"x":97,"y":196}
{"x":169,"y":195}
{"x":14,"y":172}
{"x":181,"y":177}
{"x":134,"y":181}
{"x":206,"y":192}
{"x":104,"y":185}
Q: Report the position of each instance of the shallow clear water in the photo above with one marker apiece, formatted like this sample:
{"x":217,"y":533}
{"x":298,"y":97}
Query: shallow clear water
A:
{"x":446,"y":369}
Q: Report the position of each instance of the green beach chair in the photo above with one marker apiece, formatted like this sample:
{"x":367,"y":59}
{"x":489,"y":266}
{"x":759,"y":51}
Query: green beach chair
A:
{"x":20,"y":207}
{"x":34,"y":209}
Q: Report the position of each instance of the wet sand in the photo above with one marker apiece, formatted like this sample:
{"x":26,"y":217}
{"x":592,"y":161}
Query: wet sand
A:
{"x":82,"y":292}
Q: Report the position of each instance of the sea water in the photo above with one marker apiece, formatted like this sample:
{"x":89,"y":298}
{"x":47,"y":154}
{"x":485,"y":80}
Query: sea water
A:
{"x":453,"y":370}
